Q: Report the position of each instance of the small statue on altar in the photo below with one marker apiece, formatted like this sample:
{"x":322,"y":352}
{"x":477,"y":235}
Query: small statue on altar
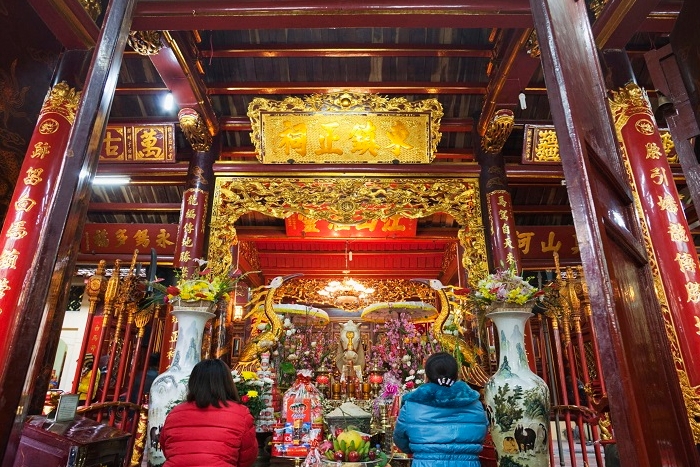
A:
{"x":351,"y":354}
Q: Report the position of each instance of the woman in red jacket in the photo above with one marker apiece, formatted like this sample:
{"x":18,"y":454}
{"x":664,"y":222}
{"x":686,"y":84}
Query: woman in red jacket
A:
{"x":211,"y":429}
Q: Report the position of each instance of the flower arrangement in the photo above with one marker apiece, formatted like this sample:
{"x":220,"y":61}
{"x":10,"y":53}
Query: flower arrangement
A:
{"x":193,"y":284}
{"x":251,"y":389}
{"x":403,"y":352}
{"x":504,"y":286}
{"x":300,"y":348}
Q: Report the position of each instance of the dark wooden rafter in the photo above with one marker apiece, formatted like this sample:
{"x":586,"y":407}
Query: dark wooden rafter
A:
{"x":505,"y":73}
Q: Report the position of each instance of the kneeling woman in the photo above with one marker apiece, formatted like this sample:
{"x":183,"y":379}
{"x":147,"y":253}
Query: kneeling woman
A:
{"x":442,"y":423}
{"x":212,"y":428}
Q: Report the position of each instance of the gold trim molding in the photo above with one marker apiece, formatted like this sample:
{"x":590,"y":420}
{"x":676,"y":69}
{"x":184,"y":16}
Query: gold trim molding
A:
{"x":348,"y":201}
{"x":63,"y":100}
{"x":345,"y":127}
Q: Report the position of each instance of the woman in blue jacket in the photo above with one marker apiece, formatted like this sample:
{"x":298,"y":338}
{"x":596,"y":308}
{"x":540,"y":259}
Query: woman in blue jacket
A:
{"x":442,"y":423}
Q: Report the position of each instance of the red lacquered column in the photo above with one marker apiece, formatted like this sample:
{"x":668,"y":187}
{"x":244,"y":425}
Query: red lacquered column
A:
{"x":494,"y":189}
{"x":666,"y":228}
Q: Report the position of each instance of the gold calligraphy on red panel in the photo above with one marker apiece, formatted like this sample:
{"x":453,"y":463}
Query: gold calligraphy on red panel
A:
{"x":138,"y":143}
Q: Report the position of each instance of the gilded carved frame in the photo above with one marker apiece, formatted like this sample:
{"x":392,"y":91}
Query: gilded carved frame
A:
{"x":349,"y":200}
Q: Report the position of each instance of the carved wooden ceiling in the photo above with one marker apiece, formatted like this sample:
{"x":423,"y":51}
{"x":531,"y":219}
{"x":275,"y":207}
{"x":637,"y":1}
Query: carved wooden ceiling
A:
{"x":473,"y":56}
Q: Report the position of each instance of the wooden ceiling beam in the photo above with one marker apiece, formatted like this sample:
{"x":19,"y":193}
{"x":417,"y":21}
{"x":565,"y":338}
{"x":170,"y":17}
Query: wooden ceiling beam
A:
{"x":620,"y":20}
{"x":177,"y":66}
{"x":507,"y":61}
{"x":68,"y":21}
{"x":518,"y":175}
{"x":285,"y":88}
{"x":349,"y":50}
{"x":234,"y":14}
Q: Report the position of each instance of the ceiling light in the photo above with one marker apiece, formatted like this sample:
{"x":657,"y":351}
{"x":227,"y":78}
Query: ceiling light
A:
{"x":168,"y":101}
{"x":348,"y":291}
{"x":523,"y":102}
{"x":111,"y":180}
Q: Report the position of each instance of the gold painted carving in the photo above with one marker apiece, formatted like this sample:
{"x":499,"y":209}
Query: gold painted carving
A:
{"x":345,"y":127}
{"x":497,"y":131}
{"x":628,"y":101}
{"x":250,"y":253}
{"x":533,"y":45}
{"x":390,"y":290}
{"x":63,"y":100}
{"x":92,"y":7}
{"x":195,"y":129}
{"x":597,"y":6}
{"x":145,"y":42}
{"x":348,"y":201}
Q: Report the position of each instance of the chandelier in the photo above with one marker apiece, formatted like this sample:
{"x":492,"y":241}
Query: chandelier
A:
{"x":348,"y":291}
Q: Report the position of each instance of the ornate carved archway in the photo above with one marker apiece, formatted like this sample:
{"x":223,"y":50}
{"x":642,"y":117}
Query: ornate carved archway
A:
{"x":348,"y":201}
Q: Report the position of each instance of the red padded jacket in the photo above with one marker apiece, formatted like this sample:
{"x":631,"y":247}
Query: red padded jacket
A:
{"x":211,"y":437}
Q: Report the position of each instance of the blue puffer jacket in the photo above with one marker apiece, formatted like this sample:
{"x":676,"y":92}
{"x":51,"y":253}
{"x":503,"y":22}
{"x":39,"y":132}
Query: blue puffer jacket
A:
{"x":442,"y":426}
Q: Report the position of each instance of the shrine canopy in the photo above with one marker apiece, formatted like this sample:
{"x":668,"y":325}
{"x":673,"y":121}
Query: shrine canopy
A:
{"x":417,"y":312}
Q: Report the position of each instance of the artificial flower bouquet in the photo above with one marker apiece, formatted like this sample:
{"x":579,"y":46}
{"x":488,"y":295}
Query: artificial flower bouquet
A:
{"x":251,"y":389}
{"x":504,"y":286}
{"x":193,"y":284}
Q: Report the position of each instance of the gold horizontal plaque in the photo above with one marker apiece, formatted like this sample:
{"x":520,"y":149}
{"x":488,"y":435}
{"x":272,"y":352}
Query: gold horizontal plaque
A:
{"x":345,"y":128}
{"x":138,"y":143}
{"x":541,"y":145}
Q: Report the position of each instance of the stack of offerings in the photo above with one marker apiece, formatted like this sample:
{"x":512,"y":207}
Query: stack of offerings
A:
{"x":301,"y":424}
{"x":265,"y":420}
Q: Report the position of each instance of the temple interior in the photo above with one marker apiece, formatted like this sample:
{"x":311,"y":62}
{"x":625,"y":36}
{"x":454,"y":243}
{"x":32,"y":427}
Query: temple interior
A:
{"x":323,"y":194}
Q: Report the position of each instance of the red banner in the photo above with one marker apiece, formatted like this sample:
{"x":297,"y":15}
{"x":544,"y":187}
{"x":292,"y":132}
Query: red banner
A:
{"x":125,"y":238}
{"x":396,"y":226}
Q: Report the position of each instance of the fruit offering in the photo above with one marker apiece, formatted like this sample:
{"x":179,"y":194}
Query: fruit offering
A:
{"x":353,"y":446}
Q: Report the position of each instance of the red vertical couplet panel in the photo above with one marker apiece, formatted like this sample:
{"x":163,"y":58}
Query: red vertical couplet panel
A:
{"x":668,"y":229}
{"x":37,"y":181}
{"x":190,"y":243}
{"x":503,"y":235}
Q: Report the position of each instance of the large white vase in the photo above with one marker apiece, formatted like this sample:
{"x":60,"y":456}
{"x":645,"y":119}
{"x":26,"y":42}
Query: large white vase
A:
{"x":170,"y":387}
{"x":517,"y":400}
